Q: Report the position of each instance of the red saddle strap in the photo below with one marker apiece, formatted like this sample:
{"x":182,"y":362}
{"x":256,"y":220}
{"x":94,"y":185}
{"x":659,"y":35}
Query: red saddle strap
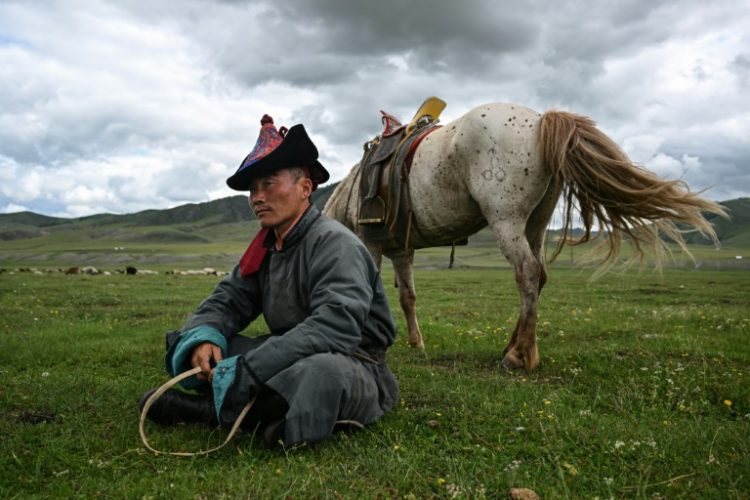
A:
{"x":254,"y":255}
{"x":413,"y":146}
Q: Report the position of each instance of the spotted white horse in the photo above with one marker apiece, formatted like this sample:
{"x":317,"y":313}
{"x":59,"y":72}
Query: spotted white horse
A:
{"x":506,"y":166}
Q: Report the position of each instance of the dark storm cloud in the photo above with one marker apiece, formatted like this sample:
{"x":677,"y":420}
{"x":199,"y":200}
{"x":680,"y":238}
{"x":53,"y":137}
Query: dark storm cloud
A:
{"x":329,"y":41}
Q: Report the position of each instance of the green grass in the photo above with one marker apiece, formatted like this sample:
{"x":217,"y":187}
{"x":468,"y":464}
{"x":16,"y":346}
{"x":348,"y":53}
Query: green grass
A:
{"x":642,"y":391}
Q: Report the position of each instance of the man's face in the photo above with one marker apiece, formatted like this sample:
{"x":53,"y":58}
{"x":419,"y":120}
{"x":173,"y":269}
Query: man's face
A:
{"x":277,"y":199}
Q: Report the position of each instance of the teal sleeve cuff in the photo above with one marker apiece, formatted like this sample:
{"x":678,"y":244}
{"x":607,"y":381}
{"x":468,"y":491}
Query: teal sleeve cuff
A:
{"x":224,"y":374}
{"x":178,"y":357}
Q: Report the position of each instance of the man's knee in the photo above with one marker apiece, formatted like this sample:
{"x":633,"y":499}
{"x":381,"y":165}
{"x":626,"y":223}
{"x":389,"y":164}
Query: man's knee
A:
{"x":324,"y":366}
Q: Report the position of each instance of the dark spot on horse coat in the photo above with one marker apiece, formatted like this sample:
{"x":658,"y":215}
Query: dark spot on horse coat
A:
{"x":483,"y":115}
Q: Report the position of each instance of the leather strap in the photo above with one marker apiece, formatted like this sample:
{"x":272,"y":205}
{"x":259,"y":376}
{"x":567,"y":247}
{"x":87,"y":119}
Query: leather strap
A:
{"x":157,"y":394}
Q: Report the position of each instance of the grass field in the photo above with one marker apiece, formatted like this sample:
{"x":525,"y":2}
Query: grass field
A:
{"x":643,"y":391}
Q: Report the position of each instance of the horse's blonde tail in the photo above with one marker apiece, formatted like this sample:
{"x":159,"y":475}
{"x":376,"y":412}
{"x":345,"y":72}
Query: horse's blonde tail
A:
{"x":623,"y":199}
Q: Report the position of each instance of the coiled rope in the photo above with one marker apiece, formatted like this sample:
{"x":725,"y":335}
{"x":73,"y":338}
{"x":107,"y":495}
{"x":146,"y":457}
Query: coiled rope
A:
{"x":157,"y":394}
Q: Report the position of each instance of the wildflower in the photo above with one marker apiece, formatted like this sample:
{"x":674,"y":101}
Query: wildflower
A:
{"x":609,"y":480}
{"x":571,"y":469}
{"x":45,"y":374}
{"x":453,"y":490}
{"x":440,"y":481}
{"x":728,"y":403}
{"x":547,"y":402}
{"x":513,"y":465}
{"x":396,"y":447}
{"x":619,"y":444}
{"x":584,"y":413}
{"x":520,"y":429}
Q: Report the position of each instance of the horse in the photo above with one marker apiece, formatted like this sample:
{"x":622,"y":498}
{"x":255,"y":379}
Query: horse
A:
{"x":506,"y":166}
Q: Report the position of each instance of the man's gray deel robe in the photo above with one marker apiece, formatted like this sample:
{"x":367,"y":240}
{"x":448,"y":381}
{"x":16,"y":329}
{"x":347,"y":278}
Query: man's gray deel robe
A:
{"x":323,"y":300}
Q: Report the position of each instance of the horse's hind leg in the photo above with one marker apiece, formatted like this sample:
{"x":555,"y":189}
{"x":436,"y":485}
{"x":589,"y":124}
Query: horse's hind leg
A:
{"x":402,"y":265}
{"x":536,"y":227}
{"x":521,"y":351}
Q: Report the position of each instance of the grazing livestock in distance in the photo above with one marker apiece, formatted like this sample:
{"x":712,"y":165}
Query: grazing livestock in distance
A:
{"x":506,"y":166}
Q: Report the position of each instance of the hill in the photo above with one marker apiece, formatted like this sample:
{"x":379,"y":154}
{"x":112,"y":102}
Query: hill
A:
{"x":733,"y":232}
{"x":178,"y":224}
{"x":214,"y":233}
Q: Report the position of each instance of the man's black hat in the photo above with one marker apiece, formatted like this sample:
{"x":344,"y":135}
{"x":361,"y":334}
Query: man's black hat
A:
{"x":278,"y":149}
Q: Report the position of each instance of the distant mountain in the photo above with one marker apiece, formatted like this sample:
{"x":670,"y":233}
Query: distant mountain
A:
{"x":178,"y":223}
{"x":732,"y":232}
{"x":228,"y":218}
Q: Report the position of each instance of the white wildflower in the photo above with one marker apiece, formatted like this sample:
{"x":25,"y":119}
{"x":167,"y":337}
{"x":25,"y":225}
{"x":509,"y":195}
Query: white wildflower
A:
{"x":515,"y":464}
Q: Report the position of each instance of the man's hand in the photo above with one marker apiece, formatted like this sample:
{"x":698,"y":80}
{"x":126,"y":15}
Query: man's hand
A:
{"x":206,"y":355}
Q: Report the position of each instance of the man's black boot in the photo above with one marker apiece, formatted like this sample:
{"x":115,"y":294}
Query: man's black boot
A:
{"x":273,"y":434}
{"x":175,"y":406}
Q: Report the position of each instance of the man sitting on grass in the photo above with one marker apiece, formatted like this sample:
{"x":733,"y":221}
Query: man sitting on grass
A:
{"x":322,"y":298}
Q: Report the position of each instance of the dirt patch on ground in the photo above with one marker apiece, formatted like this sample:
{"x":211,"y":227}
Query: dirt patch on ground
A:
{"x":33,"y":417}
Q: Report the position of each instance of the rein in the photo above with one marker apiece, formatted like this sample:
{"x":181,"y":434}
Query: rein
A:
{"x":157,"y":394}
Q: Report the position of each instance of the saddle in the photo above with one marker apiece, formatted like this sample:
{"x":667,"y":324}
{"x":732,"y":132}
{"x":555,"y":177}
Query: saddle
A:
{"x":385,"y":207}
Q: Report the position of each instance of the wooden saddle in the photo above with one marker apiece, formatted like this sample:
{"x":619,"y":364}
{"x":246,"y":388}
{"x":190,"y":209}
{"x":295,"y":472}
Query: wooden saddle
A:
{"x":385,"y":208}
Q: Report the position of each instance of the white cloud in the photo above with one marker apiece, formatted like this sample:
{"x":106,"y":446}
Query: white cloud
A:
{"x":12,"y":208}
{"x":123,"y":106}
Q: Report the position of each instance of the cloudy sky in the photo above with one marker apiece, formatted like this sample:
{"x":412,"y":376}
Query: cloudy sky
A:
{"x":123,"y":105}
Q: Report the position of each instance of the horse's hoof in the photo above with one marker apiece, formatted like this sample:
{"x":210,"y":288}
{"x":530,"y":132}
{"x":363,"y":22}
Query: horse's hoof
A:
{"x":510,"y":364}
{"x":417,"y":345}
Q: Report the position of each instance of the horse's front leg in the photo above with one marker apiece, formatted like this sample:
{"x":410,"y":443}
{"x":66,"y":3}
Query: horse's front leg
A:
{"x":402,"y":265}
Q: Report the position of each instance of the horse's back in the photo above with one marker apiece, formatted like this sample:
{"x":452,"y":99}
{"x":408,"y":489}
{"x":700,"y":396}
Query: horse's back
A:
{"x":479,"y":167}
